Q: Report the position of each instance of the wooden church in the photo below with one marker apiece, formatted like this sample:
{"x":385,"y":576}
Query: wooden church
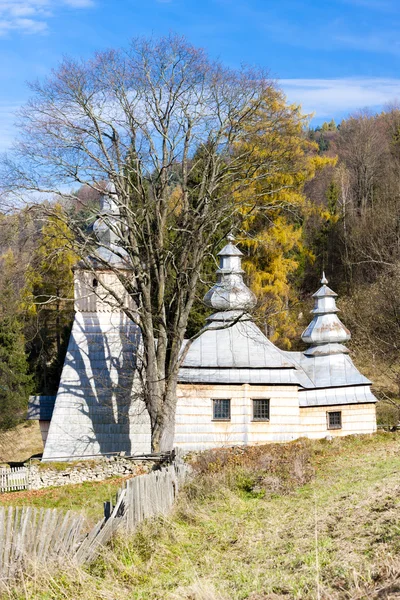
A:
{"x":235,"y":386}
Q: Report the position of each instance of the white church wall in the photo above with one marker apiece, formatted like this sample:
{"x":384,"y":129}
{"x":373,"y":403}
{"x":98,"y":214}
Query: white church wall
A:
{"x":96,"y":409}
{"x":195,"y":428}
{"x":356,"y":419}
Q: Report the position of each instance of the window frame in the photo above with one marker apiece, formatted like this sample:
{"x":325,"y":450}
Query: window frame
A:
{"x":213,"y":405}
{"x":261,"y":419}
{"x":328,"y":422}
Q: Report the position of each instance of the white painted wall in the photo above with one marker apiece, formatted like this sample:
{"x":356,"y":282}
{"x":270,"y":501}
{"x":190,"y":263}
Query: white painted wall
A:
{"x":195,"y":429}
{"x":356,"y":418}
{"x":98,"y":299}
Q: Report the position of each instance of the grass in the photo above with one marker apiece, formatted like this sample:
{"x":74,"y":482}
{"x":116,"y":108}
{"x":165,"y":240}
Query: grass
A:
{"x":246,"y":528}
{"x":20,"y":443}
{"x":85,"y":497}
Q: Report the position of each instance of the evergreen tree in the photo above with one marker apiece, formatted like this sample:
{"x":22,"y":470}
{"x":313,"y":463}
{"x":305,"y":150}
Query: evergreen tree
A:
{"x":15,"y":380}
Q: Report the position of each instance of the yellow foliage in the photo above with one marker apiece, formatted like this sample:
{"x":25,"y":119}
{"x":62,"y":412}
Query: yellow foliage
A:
{"x":273,"y":207}
{"x":49,"y":275}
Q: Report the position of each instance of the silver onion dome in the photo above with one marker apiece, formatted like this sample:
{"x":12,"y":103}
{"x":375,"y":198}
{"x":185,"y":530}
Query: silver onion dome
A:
{"x":107,"y":229}
{"x":326,"y":333}
{"x":230,"y":295}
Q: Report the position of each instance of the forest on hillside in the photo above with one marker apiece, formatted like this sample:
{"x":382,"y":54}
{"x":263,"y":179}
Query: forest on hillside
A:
{"x":340,"y":214}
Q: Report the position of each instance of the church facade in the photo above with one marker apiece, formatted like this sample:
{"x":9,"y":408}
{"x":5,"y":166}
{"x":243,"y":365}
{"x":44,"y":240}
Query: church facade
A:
{"x":235,"y":386}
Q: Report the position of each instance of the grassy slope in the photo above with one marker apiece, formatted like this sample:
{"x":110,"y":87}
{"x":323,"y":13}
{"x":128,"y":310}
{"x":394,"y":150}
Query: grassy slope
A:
{"x":20,"y":443}
{"x":227,"y":542}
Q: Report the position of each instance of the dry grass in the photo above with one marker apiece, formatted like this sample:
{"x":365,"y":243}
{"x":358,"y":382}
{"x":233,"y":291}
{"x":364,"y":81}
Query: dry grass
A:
{"x":20,"y":443}
{"x":236,"y":536}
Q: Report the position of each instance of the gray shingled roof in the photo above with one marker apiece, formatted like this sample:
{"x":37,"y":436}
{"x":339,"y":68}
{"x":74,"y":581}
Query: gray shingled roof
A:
{"x":242,"y":345}
{"x":237,"y":354}
{"x":334,"y":370}
{"x":335,"y":396}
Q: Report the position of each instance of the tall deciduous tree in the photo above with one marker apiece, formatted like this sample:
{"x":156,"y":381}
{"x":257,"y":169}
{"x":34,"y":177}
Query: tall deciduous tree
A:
{"x":145,"y":119}
{"x":276,"y":205}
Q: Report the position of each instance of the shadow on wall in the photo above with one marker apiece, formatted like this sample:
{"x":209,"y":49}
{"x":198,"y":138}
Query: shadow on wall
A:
{"x":100,"y":380}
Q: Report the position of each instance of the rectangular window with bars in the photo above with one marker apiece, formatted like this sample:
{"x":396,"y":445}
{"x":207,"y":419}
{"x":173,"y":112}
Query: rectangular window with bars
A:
{"x":221,"y":410}
{"x":261,"y":409}
{"x":334,"y":420}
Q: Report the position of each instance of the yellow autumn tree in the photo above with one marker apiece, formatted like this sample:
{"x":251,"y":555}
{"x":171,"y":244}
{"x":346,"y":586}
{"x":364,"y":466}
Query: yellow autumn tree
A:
{"x":47,"y":300}
{"x":273,"y":208}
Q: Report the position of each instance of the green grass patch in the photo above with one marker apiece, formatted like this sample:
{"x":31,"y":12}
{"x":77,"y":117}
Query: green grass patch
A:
{"x":87,"y":498}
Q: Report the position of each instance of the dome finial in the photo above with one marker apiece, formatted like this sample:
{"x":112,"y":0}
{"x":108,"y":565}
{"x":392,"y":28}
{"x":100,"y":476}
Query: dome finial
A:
{"x":230,"y":237}
{"x":324,"y":280}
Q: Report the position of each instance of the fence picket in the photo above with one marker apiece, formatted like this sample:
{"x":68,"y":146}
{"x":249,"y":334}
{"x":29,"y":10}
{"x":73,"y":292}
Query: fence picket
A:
{"x":13,"y":479}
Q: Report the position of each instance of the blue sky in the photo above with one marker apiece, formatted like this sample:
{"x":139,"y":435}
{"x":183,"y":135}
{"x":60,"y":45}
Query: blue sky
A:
{"x":332,"y":56}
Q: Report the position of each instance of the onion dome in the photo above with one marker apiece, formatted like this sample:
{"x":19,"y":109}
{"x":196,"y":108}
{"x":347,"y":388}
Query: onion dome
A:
{"x":106,"y":229}
{"x":230,"y":296}
{"x":326,"y":333}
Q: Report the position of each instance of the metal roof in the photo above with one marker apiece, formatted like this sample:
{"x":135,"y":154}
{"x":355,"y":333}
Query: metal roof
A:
{"x":336,"y":396}
{"x":241,"y":345}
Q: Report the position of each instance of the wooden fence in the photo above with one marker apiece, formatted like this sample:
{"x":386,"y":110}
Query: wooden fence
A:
{"x":141,"y":498}
{"x":36,"y":536}
{"x":44,"y":536}
{"x":14,"y":478}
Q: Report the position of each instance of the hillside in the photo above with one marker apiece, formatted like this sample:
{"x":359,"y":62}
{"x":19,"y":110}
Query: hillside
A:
{"x":247,"y":525}
{"x":21,"y":442}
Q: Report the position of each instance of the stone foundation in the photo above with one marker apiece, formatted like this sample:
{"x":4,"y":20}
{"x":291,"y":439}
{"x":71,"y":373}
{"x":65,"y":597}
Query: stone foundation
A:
{"x":58,"y":474}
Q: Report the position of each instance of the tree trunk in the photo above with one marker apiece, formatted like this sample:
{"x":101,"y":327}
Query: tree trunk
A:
{"x":163,"y":422}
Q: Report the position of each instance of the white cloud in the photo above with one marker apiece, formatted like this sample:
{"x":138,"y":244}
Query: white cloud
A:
{"x":30,"y":16}
{"x":338,"y":97}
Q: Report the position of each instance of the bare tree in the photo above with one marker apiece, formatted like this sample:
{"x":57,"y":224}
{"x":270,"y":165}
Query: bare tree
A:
{"x":170,"y":130}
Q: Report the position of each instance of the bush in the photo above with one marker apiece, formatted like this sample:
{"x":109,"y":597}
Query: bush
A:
{"x":257,"y":471}
{"x":387,"y":415}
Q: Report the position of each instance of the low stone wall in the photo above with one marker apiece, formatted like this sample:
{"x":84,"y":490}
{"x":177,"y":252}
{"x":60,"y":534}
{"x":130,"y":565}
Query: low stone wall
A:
{"x":57,"y":474}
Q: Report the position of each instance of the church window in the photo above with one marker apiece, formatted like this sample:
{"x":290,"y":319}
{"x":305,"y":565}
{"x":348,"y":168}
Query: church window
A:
{"x":261,"y":409}
{"x":95,"y":283}
{"x":334,"y":420}
{"x":221,"y":410}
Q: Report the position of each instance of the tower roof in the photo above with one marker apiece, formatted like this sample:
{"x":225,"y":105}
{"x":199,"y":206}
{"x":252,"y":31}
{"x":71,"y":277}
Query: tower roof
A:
{"x":231,"y":348}
{"x":107,"y":229}
{"x":230,"y":296}
{"x":326,"y":333}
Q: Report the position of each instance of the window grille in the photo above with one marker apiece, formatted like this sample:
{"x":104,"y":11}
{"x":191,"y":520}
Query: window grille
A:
{"x":261,"y":409}
{"x":334,"y":420}
{"x":221,"y":410}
